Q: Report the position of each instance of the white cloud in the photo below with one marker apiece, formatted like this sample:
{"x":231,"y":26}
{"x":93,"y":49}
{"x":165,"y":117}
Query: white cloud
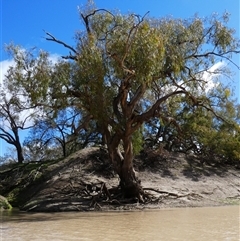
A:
{"x":207,"y":79}
{"x":54,"y":58}
{"x":211,"y":76}
{"x":4,"y":66}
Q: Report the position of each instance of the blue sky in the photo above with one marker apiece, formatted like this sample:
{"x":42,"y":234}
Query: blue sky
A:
{"x":23,"y":22}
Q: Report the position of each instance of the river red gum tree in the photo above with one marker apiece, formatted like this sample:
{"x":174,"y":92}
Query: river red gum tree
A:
{"x":126,"y":70}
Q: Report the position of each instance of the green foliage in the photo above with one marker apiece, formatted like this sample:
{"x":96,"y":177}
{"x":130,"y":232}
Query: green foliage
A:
{"x":137,"y":141}
{"x":30,"y":73}
{"x":214,"y":138}
{"x":126,"y":70}
{"x":4,"y":204}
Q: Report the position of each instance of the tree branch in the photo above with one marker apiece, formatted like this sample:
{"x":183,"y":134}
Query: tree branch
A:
{"x":7,"y":136}
{"x":219,"y":55}
{"x":139,"y":93}
{"x":152,"y":111}
{"x":52,"y":38}
{"x":86,"y":21}
{"x":132,"y":33}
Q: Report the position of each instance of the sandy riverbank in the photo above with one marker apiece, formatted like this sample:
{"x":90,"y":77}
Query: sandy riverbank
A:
{"x":77,"y":183}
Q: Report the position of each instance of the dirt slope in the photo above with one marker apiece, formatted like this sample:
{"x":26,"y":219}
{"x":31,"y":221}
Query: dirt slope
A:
{"x":84,"y":180}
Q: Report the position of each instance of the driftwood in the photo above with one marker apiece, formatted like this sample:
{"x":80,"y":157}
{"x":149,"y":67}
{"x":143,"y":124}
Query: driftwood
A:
{"x":176,"y":195}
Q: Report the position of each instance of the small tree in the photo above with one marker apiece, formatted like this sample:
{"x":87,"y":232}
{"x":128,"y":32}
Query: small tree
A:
{"x":17,"y":110}
{"x":14,"y":117}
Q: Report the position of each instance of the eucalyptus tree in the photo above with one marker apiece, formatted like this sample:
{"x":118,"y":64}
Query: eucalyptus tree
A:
{"x":10,"y":125}
{"x":127,"y":69}
{"x":16,"y":115}
{"x":19,"y":110}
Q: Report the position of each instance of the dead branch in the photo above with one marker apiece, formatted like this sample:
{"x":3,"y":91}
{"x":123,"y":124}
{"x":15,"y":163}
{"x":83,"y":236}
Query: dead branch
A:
{"x":172,"y":193}
{"x":86,"y":20}
{"x":52,"y":38}
{"x":161,"y":192}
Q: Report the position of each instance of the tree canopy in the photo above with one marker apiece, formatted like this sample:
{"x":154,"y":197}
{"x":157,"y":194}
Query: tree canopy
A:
{"x":127,"y":71}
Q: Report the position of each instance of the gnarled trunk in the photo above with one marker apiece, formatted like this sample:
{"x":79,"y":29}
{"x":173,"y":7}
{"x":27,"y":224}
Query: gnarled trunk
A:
{"x":129,"y":182}
{"x":123,"y":164}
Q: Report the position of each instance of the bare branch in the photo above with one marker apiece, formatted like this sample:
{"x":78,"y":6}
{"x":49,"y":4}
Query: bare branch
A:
{"x":52,"y":38}
{"x":69,"y":57}
{"x":219,"y":55}
{"x":86,"y":20}
{"x":6,"y":136}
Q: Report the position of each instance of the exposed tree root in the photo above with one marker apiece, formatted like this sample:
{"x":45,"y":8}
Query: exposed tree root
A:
{"x":99,"y":195}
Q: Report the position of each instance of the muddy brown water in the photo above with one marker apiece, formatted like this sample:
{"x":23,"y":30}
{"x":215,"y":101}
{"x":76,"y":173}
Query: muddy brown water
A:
{"x":195,"y":224}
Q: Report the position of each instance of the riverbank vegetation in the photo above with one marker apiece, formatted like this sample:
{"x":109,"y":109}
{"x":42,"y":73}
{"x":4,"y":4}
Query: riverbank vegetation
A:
{"x":4,"y":204}
{"x":131,"y":84}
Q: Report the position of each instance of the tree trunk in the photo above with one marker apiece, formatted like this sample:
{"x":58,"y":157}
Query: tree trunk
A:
{"x":123,"y":165}
{"x":19,"y":153}
{"x":129,"y":182}
{"x":18,"y":146}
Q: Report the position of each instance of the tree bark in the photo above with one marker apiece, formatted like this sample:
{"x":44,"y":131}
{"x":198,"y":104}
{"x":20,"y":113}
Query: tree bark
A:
{"x":18,"y":146}
{"x":19,"y":152}
{"x":129,"y":182}
{"x":115,"y":154}
{"x":123,"y":165}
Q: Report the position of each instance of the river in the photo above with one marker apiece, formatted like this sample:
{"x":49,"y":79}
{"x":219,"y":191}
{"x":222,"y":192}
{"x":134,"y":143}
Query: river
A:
{"x":193,"y":224}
